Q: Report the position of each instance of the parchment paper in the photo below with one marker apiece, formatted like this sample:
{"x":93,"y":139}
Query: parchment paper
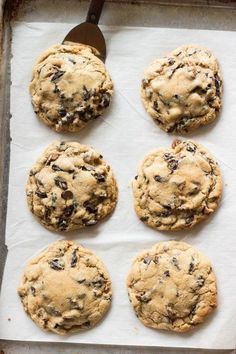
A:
{"x":124,"y":135}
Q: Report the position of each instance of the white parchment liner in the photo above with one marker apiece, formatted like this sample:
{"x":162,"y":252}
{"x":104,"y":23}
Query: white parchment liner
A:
{"x":123,"y":136}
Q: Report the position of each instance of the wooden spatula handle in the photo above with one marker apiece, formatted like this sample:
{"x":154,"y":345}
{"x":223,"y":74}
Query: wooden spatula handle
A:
{"x":94,"y":11}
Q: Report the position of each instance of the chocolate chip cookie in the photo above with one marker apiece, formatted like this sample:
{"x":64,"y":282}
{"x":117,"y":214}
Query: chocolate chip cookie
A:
{"x":172,"y":286}
{"x":70,"y":187}
{"x":66,"y":288}
{"x":183,"y":90}
{"x":70,"y":87}
{"x":178,"y":187}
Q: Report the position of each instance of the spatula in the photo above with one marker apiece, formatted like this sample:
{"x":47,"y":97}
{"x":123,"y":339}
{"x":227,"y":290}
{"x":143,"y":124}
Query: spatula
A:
{"x":88,"y":32}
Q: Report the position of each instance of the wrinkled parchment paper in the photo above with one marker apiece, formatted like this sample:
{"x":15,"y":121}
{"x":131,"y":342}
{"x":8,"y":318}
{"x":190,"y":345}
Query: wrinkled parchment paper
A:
{"x":123,"y":136}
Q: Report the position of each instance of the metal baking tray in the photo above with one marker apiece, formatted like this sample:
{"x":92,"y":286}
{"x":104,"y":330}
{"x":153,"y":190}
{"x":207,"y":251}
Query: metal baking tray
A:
{"x":208,"y":14}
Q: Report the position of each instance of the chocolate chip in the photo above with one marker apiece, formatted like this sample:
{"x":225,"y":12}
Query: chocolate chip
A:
{"x":167,"y":273}
{"x":74,"y":259}
{"x":147,"y":260}
{"x":189,"y":219}
{"x":53,"y":311}
{"x":167,"y":156}
{"x":191,"y":148}
{"x":47,"y":212}
{"x":33,"y":291}
{"x":191,"y":268}
{"x":165,"y":213}
{"x":68,"y":211}
{"x":175,"y":262}
{"x":83,"y":116}
{"x":57,"y":75}
{"x":62,"y":112}
{"x":41,"y":195}
{"x":56,"y":265}
{"x":171,"y":61}
{"x":106,"y":100}
{"x":32,"y":173}
{"x":86,"y":93}
{"x":156,"y":259}
{"x":156,"y":107}
{"x":171,"y":129}
{"x":99,"y":177}
{"x":97,"y":283}
{"x":84,"y":168}
{"x":56,"y":89}
{"x":144,"y":218}
{"x":217,"y":84}
{"x":159,"y":179}
{"x":61,"y":183}
{"x":70,"y":118}
{"x":136,"y":177}
{"x":199,"y":90}
{"x":62,"y":224}
{"x":87,"y":324}
{"x":193,"y":311}
{"x":144,"y":83}
{"x":177,"y":67}
{"x":90,"y":208}
{"x":172,"y":165}
{"x":67,"y":195}
{"x":56,"y":168}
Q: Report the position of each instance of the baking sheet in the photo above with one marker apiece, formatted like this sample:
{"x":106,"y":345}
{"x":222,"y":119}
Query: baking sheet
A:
{"x":124,"y":135}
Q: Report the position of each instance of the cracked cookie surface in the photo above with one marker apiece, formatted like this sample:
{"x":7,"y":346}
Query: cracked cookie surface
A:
{"x":71,"y":187}
{"x":177,"y":187}
{"x":66,"y":288}
{"x":172,"y":286}
{"x":70,"y":87}
{"x":183,"y":90}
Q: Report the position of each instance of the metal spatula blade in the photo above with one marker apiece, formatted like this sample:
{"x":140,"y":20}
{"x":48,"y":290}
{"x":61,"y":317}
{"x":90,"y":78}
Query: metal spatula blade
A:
{"x":88,"y":32}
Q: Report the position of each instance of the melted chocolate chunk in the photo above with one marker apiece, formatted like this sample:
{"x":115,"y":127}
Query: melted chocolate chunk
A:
{"x":147,"y":260}
{"x":56,"y":265}
{"x":56,"y":76}
{"x":91,"y":209}
{"x":100,"y":177}
{"x":62,"y":112}
{"x":33,"y":291}
{"x":189,"y":219}
{"x":74,"y":259}
{"x":106,"y":99}
{"x":62,"y":224}
{"x":56,"y":168}
{"x":159,"y":179}
{"x":68,"y":211}
{"x":41,"y":195}
{"x":67,"y":195}
{"x":172,"y":165}
{"x":61,"y":183}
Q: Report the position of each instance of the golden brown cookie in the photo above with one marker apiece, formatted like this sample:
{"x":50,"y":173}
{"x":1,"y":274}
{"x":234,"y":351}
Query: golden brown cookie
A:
{"x":172,"y":286}
{"x":70,"y":87}
{"x":178,"y":187}
{"x":66,"y":288}
{"x":71,"y":187}
{"x":183,"y":90}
